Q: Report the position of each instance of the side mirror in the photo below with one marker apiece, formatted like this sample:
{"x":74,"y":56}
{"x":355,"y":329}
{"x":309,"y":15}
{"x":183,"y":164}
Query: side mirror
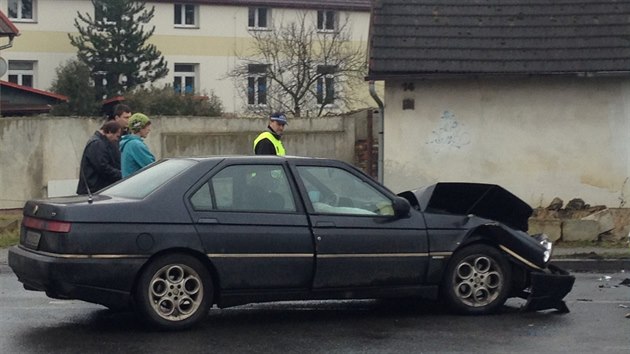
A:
{"x":401,"y":207}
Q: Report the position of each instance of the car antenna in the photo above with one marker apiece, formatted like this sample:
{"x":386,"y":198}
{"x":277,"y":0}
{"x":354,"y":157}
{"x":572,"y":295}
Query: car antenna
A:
{"x":90,"y":199}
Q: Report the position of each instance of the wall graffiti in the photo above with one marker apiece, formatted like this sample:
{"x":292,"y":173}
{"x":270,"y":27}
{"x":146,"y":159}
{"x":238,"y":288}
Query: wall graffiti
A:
{"x":450,"y":134}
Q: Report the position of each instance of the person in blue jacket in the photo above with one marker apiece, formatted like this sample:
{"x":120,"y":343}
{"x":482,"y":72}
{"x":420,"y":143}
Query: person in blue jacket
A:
{"x":134,"y":153}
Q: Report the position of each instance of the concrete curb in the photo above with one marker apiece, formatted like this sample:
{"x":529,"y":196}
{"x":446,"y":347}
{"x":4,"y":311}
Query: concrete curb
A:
{"x":4,"y":261}
{"x":593,"y":265}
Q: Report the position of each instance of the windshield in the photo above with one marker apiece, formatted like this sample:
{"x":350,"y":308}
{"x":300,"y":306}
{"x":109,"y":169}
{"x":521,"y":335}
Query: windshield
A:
{"x":141,"y":184}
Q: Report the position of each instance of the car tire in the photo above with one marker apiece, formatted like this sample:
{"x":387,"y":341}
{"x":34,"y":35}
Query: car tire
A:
{"x":174,"y":291}
{"x":477,"y":280}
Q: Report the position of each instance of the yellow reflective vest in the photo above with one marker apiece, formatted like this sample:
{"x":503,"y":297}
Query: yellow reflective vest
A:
{"x":276,"y":142}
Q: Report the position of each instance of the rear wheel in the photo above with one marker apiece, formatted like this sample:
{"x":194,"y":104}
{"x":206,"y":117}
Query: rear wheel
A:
{"x":477,"y":280}
{"x":174,"y":292}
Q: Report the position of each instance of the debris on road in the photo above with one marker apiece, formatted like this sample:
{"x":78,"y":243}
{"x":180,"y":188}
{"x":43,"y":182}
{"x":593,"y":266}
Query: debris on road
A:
{"x":606,"y":279}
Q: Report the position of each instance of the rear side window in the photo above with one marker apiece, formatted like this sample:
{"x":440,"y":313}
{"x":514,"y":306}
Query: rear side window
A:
{"x":141,"y":184}
{"x":256,"y":188}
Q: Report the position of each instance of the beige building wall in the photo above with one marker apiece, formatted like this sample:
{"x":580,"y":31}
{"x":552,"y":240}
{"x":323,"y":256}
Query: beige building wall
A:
{"x":539,"y":138}
{"x":45,"y":40}
{"x":221,"y":34}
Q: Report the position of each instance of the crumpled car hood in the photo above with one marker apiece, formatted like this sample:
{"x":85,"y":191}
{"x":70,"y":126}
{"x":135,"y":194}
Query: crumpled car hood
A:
{"x":488,"y":201}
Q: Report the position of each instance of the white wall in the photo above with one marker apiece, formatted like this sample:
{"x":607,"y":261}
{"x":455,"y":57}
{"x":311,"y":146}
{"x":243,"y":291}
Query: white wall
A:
{"x":52,"y":15}
{"x":37,"y":150}
{"x":539,"y":137}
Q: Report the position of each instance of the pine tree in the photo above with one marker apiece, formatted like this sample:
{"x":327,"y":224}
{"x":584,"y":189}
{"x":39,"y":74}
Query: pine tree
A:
{"x":113,"y":44}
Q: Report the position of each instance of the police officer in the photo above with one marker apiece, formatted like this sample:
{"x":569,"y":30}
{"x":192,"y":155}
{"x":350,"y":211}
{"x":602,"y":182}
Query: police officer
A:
{"x":268,"y":142}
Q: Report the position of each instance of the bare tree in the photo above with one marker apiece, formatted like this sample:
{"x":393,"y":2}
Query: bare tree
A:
{"x":299,"y":69}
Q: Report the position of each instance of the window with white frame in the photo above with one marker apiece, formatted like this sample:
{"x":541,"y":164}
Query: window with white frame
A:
{"x":326,"y":20}
{"x":22,"y":72}
{"x":257,"y":84}
{"x":259,"y":17}
{"x":185,"y":78}
{"x":21,"y":10}
{"x":100,"y":11}
{"x":186,"y":15}
{"x":326,"y":84}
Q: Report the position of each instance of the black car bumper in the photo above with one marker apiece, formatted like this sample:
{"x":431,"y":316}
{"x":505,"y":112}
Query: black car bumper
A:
{"x":106,"y":281}
{"x":548,"y":290}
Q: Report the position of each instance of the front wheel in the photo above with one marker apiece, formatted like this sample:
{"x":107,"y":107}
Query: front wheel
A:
{"x":477,"y":280}
{"x":174,"y":292}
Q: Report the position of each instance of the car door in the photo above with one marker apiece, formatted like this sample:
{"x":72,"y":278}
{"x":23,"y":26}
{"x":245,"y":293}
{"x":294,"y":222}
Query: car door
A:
{"x":359,"y":242}
{"x":253,"y":230}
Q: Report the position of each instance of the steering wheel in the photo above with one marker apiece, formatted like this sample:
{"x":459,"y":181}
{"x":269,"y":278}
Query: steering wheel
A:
{"x":331,"y":199}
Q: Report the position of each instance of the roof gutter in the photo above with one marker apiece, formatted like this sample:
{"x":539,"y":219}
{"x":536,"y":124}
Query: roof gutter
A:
{"x":381,"y":140}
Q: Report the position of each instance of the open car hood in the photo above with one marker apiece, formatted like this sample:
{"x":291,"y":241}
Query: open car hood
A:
{"x":488,"y":201}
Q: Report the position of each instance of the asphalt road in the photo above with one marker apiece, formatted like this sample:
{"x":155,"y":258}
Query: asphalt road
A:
{"x":32,"y":323}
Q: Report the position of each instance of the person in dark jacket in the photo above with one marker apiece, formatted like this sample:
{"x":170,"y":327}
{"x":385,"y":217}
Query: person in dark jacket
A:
{"x":268,"y":142}
{"x":99,"y":166}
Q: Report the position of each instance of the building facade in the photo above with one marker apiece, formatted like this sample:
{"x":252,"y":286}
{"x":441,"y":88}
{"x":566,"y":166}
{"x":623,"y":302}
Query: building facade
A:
{"x":531,"y":95}
{"x":200,"y":39}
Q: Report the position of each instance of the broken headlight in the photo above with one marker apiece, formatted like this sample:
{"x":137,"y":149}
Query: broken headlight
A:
{"x":547,"y":244}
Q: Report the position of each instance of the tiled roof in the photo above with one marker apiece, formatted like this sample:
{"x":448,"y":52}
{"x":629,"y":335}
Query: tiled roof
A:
{"x":22,"y":100}
{"x":353,"y":5}
{"x":7,"y":28}
{"x":34,"y":91}
{"x":462,"y":37}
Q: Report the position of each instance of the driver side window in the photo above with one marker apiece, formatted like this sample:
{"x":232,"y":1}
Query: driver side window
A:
{"x":333,"y":190}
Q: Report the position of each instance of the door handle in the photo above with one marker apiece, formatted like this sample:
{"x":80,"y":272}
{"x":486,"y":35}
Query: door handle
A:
{"x":208,"y":221}
{"x":324,"y":224}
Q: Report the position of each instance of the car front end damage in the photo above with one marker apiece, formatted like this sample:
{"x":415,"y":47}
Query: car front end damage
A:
{"x":493,"y":214}
{"x":547,"y":289}
{"x":546,"y":286}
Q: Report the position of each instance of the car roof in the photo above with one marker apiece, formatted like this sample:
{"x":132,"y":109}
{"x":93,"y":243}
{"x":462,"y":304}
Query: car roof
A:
{"x":253,"y":158}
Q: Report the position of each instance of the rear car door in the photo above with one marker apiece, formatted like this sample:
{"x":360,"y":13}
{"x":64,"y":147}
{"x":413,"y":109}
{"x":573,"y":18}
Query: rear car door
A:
{"x":359,"y":242}
{"x":254,"y":231}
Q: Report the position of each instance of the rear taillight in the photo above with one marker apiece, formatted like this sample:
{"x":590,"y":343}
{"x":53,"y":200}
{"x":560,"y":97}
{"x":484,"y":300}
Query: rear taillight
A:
{"x":46,"y":225}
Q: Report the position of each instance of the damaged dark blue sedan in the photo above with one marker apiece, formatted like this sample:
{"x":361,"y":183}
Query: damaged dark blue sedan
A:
{"x":187,"y":233}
